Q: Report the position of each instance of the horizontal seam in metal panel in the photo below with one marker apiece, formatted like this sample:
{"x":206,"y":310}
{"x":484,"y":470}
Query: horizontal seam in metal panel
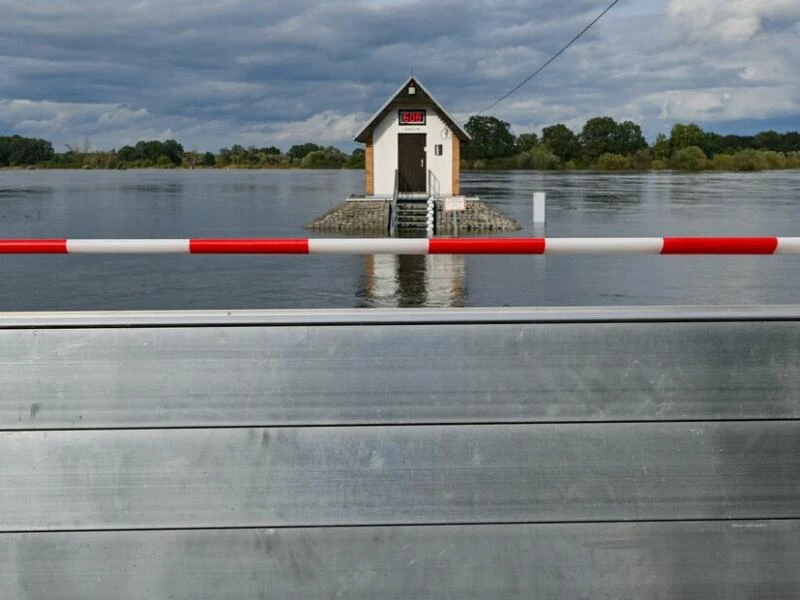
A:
{"x":248,"y":317}
{"x":385,"y":425}
{"x":405,"y":525}
{"x":565,"y":321}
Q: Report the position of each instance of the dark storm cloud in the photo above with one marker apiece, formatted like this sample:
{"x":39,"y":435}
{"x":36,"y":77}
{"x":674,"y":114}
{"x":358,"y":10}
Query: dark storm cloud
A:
{"x":236,"y":71}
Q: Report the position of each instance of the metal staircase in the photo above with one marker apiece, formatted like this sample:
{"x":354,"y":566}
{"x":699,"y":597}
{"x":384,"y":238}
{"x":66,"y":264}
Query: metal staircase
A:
{"x":411,"y":211}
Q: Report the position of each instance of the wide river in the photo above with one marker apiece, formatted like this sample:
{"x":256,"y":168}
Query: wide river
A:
{"x":179,"y":204}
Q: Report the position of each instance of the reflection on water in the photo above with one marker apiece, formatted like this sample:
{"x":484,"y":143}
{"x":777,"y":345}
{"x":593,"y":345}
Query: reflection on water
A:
{"x":409,"y":281}
{"x":152,"y":189}
{"x":26,"y":192}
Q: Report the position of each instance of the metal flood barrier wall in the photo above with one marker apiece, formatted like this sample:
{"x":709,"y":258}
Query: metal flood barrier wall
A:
{"x":560,"y":454}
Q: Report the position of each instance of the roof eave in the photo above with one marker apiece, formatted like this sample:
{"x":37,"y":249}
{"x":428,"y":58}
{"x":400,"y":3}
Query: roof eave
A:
{"x":459,"y":129}
{"x":363,"y":136}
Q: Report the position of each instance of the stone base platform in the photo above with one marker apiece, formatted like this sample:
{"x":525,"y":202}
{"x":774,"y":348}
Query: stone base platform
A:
{"x":370,"y":215}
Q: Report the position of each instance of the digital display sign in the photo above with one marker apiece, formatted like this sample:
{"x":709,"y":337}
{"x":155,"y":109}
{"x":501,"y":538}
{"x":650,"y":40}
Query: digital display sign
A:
{"x":412,"y":117}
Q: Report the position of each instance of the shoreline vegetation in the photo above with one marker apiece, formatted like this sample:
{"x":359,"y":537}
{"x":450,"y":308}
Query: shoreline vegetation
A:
{"x":602,"y":145}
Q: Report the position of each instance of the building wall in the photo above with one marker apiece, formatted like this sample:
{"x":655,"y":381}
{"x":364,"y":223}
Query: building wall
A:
{"x":385,"y":150}
{"x":369,"y":168}
{"x":456,"y":171}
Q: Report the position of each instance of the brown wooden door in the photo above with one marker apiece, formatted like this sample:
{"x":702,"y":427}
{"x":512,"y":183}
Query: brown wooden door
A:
{"x":411,"y":162}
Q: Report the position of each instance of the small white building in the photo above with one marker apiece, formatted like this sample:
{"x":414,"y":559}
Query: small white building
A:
{"x":413,"y":136}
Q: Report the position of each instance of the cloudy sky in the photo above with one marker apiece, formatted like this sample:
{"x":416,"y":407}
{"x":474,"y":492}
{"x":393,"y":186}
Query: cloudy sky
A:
{"x":213,"y":73}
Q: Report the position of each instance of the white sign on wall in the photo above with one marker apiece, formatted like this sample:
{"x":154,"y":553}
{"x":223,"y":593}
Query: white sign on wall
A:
{"x":455,"y":203}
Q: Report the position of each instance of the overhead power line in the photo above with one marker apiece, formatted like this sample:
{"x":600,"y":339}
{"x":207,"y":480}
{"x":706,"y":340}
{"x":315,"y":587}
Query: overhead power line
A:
{"x":552,"y":58}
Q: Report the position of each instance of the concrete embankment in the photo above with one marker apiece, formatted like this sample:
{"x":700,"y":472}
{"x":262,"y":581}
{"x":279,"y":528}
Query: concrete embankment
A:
{"x":355,"y":216}
{"x":479,"y":217}
{"x":372,"y":216}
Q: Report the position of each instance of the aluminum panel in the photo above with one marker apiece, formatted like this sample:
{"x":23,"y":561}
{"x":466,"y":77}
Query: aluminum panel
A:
{"x":457,"y":373}
{"x":114,"y":479}
{"x":608,"y":561}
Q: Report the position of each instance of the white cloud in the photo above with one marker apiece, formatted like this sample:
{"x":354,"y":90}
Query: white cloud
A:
{"x":730,"y":20}
{"x":217,"y":72}
{"x":328,"y":127}
{"x":64,"y":117}
{"x":730,"y":103}
{"x":712,"y":61}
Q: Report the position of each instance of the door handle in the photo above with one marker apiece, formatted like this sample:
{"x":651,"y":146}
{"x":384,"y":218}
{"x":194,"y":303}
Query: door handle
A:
{"x":421,"y":162}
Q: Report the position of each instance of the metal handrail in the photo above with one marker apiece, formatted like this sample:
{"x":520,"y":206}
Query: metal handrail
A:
{"x":393,"y":208}
{"x":434,"y":192}
{"x":434,"y":186}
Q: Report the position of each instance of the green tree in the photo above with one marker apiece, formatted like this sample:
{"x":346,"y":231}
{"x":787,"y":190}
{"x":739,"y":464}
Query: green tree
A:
{"x":561,"y":140}
{"x":152,"y":151}
{"x":734,"y":143}
{"x":749,"y":160}
{"x":191,"y":158}
{"x":768,"y":140}
{"x":599,"y":136}
{"x":357,"y":159}
{"x":300,"y":151}
{"x":173,"y":151}
{"x":525,"y":142}
{"x":661,"y":149}
{"x":629,"y":138}
{"x":16,"y":150}
{"x":327,"y":158}
{"x":689,"y":159}
{"x":684,"y":136}
{"x":712,"y":144}
{"x":642,"y":160}
{"x":774,"y":160}
{"x":544,"y":160}
{"x":491,"y":138}
{"x":791,"y":141}
{"x":127,"y":154}
{"x":612,"y":162}
{"x":724,"y":162}
{"x":238,"y":154}
{"x":223,"y":159}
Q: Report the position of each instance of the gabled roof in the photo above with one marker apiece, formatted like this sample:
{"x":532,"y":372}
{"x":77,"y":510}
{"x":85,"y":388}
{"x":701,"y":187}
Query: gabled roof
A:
{"x":401,"y":98}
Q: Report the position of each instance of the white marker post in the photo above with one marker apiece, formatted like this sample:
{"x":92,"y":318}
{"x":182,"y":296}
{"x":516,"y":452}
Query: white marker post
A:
{"x":538,"y":208}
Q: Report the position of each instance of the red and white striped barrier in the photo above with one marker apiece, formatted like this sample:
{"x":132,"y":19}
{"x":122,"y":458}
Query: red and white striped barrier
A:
{"x":552,"y":246}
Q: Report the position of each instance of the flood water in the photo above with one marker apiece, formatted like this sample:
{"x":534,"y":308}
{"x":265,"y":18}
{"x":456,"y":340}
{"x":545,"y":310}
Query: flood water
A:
{"x":181,"y":204}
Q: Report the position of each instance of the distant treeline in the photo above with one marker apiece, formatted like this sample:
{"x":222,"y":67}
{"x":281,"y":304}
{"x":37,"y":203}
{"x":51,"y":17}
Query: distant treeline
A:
{"x":607,"y":145}
{"x":16,"y":151}
{"x":602,"y":144}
